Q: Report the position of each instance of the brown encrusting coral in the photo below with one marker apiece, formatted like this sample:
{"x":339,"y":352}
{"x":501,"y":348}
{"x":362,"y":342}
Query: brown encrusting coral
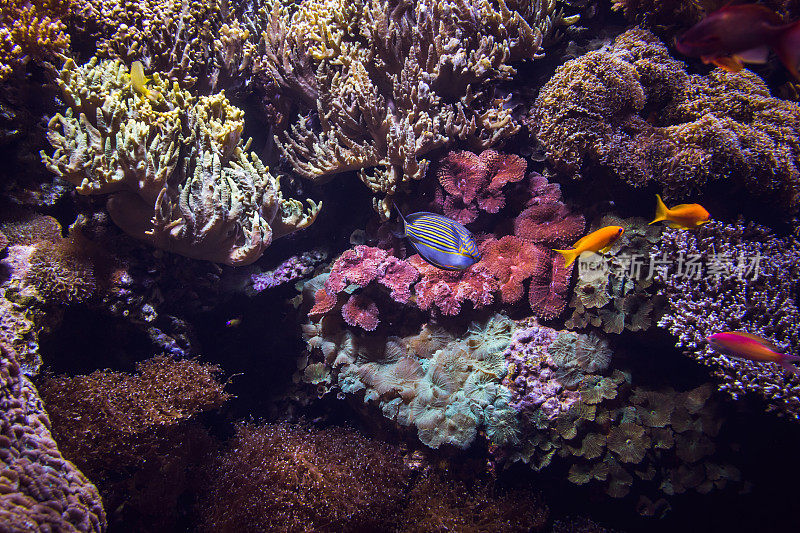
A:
{"x":39,"y":489}
{"x":283,"y":477}
{"x":438,"y":504}
{"x":108,"y":421}
{"x":635,"y":112}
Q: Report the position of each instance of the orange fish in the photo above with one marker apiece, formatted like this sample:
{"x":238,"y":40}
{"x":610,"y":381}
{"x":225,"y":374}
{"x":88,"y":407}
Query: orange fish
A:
{"x":597,"y":241}
{"x":684,"y":216}
{"x":752,"y":347}
{"x":734,"y":35}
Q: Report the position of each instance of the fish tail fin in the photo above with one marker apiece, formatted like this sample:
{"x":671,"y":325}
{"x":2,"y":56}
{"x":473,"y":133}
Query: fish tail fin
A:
{"x":401,"y":218}
{"x":569,"y":256}
{"x":788,"y":362}
{"x":788,"y":48}
{"x":661,"y":210}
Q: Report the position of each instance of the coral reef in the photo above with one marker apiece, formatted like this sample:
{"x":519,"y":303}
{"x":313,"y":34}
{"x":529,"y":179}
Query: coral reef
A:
{"x":472,"y":182}
{"x":175,"y":37}
{"x":747,"y":282}
{"x":438,"y":503}
{"x":634,"y":111}
{"x":613,"y":432}
{"x":108,"y":421}
{"x":31,"y":30}
{"x":40,"y":489}
{"x":443,"y":383}
{"x":295,"y":267}
{"x":175,"y":167}
{"x":615,"y":290}
{"x":281,"y":477}
{"x":375,"y":85}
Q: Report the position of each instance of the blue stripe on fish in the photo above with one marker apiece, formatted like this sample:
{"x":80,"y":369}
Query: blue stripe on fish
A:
{"x":441,"y":241}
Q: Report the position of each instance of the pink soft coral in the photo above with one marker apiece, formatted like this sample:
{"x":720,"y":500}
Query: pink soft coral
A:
{"x":447,"y":289}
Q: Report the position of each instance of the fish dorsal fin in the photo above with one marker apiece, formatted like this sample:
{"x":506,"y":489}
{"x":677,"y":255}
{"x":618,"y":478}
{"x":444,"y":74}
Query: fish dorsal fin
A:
{"x":757,"y":55}
{"x":731,"y":64}
{"x":761,"y":340}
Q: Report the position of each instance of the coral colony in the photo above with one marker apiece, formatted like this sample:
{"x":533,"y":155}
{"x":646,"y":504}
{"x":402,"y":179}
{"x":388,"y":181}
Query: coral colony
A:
{"x":398,"y":265}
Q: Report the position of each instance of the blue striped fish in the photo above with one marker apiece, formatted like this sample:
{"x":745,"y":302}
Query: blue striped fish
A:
{"x":441,"y":241}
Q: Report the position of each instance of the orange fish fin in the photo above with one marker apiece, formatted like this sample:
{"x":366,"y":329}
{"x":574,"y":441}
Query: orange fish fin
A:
{"x":569,"y":256}
{"x":788,"y":49}
{"x":757,"y":55}
{"x":661,"y":210}
{"x":675,"y":225}
{"x":731,"y":64}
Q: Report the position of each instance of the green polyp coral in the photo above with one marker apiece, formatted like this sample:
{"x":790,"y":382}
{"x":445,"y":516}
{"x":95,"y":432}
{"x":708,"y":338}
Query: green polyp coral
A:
{"x":446,"y":387}
{"x":620,"y":436}
{"x":176,"y":170}
{"x":374,"y":85}
{"x":615,"y":290}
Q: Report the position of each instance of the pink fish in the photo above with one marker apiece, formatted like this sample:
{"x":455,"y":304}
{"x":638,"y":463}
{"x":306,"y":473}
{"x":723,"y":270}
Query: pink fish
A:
{"x":753,"y":348}
{"x":734,"y":35}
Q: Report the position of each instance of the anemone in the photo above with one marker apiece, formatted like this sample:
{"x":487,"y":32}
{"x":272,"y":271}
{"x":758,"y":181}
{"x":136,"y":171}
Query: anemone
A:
{"x":692,"y":446}
{"x":663,"y":438}
{"x":654,"y":407}
{"x":629,"y":442}
{"x":593,"y":446}
{"x":429,"y":340}
{"x":593,"y":293}
{"x":694,"y":400}
{"x":316,"y":373}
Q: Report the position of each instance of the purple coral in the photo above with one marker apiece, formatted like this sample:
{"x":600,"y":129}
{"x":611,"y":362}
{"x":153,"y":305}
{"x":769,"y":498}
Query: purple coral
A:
{"x":291,"y":269}
{"x":532,"y":377}
{"x":39,"y":489}
{"x":750,"y":284}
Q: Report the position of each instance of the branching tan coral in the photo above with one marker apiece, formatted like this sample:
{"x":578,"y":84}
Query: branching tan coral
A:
{"x":173,"y":36}
{"x":30,"y":30}
{"x":379,"y":84}
{"x":175,"y":166}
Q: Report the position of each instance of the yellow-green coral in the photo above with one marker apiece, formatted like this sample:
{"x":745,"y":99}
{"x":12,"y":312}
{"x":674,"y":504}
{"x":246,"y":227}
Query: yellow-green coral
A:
{"x":176,"y":37}
{"x":375,"y":85}
{"x":30,"y":30}
{"x":174,"y":165}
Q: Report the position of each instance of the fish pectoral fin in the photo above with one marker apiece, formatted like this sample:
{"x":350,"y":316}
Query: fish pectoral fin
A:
{"x":731,"y":64}
{"x":606,"y":249}
{"x":754,"y":55}
{"x":675,"y":225}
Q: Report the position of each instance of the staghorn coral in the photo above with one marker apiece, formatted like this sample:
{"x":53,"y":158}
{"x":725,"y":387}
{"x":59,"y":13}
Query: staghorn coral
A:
{"x":176,"y":171}
{"x":31,"y":30}
{"x":374,"y":85}
{"x":111,"y":422}
{"x":634,"y":111}
{"x":445,"y":384}
{"x":282,"y":477}
{"x":615,"y":290}
{"x":750,"y":284}
{"x":438,"y":503}
{"x":40,"y":489}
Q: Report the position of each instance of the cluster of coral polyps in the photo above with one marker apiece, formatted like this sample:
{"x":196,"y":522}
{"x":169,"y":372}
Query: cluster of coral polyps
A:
{"x":637,"y":113}
{"x":176,"y":170}
{"x":753,"y":288}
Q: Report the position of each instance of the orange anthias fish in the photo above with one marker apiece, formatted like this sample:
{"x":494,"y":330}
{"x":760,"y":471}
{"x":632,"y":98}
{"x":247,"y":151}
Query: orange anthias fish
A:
{"x":684,"y":216}
{"x":597,"y":241}
{"x":752,"y":347}
{"x":734,"y":35}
